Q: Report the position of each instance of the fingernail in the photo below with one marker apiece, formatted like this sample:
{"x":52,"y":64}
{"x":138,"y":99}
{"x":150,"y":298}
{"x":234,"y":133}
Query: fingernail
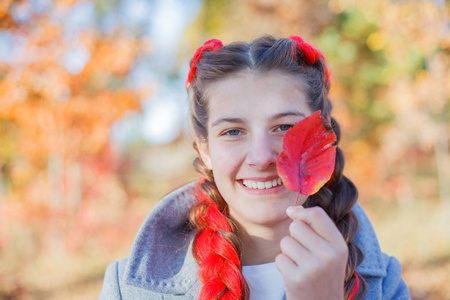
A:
{"x":290,"y":210}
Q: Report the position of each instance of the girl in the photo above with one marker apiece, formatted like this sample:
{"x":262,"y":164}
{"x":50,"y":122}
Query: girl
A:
{"x":235,"y":234}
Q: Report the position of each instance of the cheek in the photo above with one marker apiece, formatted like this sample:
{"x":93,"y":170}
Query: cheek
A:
{"x":226,"y":161}
{"x":301,"y":199}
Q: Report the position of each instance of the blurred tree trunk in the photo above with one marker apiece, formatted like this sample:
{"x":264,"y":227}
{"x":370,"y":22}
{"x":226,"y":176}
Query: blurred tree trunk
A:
{"x":2,"y":181}
{"x":442,"y":154}
{"x":74,"y":187}
{"x":55,"y":171}
{"x":438,"y":70}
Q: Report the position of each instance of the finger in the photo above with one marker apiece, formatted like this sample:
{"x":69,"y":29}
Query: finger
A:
{"x":294,"y":250}
{"x":307,"y":237}
{"x":318,"y":220}
{"x":285,"y":265}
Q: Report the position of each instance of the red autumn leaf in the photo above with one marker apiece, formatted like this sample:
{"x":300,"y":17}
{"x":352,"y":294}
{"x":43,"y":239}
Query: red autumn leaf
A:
{"x":308,"y":159}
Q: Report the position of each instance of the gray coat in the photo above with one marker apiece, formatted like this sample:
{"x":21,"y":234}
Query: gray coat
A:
{"x":161,"y":265}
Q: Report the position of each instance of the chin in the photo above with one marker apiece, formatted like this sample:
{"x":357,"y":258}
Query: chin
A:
{"x":271,"y":219}
{"x":264,"y":217}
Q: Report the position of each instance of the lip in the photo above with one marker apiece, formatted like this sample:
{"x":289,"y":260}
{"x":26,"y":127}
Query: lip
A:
{"x":262,"y":179}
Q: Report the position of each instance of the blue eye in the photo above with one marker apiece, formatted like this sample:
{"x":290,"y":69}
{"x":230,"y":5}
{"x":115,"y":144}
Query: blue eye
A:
{"x":233,"y":132}
{"x":285,"y":127}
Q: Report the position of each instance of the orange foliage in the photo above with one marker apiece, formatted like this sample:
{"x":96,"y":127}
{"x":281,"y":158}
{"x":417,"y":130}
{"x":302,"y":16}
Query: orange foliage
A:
{"x":54,"y":111}
{"x":57,"y":169}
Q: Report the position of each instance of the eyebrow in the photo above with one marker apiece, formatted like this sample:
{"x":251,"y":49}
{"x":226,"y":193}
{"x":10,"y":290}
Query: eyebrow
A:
{"x":228,"y":120}
{"x":288,"y":113}
{"x":274,"y":117}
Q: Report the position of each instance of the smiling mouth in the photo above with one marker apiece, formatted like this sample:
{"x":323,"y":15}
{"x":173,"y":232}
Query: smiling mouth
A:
{"x":261,"y":185}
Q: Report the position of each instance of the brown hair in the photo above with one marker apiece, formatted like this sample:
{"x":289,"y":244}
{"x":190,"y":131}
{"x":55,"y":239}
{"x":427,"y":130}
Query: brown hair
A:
{"x":264,"y":55}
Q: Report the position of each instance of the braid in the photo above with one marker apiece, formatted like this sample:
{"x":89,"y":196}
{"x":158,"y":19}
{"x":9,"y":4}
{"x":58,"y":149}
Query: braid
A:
{"x":337,"y":198}
{"x":339,"y":195}
{"x":216,"y":247}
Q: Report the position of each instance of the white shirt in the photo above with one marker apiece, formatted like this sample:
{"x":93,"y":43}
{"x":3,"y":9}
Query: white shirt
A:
{"x":265,"y":281}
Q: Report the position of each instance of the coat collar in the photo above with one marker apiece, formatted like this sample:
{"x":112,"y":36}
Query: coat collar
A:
{"x":161,"y":256}
{"x":366,"y":239}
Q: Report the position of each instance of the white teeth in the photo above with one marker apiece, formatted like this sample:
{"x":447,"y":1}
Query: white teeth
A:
{"x":262,"y":185}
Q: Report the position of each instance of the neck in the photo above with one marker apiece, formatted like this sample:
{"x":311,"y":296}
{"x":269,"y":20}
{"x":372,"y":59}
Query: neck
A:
{"x":261,"y":245}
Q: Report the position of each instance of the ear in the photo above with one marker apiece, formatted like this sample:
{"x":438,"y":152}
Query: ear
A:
{"x":203,"y":149}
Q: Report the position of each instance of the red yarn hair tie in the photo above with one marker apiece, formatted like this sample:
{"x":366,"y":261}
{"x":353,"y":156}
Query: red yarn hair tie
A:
{"x":219,"y":262}
{"x":310,"y":53}
{"x":211,"y":45}
{"x":355,"y":289}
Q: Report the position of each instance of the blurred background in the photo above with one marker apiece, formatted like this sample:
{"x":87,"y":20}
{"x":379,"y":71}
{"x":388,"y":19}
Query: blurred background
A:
{"x":93,"y":125}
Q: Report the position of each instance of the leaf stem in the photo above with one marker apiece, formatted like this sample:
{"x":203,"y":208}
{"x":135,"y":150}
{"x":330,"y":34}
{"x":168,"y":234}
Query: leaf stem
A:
{"x":296,"y":200}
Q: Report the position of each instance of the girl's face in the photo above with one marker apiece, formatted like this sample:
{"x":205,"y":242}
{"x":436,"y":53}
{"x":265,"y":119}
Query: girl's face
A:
{"x":248,"y":117}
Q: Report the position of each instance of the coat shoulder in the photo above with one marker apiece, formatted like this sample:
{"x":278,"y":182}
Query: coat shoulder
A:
{"x":383,"y":273}
{"x":114,"y":287}
{"x":393,"y":285}
{"x":111,"y":283}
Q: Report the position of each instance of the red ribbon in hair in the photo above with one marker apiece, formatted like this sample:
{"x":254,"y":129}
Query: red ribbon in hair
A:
{"x":310,"y":53}
{"x":211,"y":45}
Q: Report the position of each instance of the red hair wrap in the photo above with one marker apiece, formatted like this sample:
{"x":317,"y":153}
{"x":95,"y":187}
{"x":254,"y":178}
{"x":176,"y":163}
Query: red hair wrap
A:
{"x":220,"y":265}
{"x":310,"y":53}
{"x":211,"y":45}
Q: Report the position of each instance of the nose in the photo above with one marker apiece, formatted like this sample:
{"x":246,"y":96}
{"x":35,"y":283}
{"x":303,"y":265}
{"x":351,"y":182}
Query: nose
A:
{"x":262,"y":152}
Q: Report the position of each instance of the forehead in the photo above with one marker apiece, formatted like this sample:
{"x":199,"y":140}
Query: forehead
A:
{"x":247,"y":95}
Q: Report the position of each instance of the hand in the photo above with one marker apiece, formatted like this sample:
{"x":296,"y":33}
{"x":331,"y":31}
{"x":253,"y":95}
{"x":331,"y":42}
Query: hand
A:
{"x":313,"y":257}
